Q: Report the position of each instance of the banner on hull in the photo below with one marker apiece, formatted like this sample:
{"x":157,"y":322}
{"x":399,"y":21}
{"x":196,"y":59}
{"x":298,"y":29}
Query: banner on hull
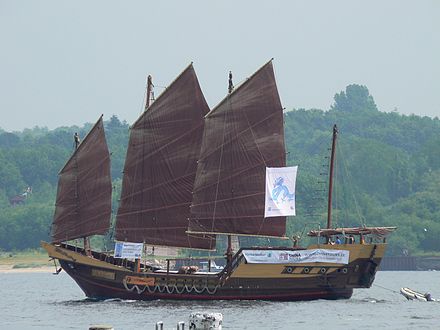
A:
{"x":299,"y":256}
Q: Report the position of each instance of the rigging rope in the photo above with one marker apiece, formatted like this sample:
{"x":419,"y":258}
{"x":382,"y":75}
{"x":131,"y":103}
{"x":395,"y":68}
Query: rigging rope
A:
{"x":350,"y":184}
{"x":337,"y":193}
{"x":382,"y":287}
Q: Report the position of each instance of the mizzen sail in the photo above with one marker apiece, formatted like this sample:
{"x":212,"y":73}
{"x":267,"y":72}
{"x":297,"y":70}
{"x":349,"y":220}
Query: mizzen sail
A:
{"x":161,"y":166}
{"x":83,"y":204}
{"x":243,"y":135}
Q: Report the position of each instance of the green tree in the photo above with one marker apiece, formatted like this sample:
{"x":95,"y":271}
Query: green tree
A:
{"x":355,"y":98}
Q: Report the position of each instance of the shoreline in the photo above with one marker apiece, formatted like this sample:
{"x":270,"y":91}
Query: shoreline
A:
{"x":35,"y":261}
{"x":9,"y":269}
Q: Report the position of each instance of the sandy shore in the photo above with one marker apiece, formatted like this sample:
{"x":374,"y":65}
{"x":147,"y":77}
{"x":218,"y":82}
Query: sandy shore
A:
{"x":9,"y":269}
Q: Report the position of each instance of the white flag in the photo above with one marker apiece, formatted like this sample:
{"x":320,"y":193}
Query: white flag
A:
{"x":280,"y":191}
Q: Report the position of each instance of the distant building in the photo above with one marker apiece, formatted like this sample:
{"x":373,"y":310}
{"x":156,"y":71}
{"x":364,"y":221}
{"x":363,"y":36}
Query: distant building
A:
{"x":20,"y":199}
{"x":17,"y":200}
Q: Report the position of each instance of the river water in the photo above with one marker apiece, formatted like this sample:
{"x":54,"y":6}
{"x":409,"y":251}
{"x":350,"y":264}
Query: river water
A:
{"x":45,"y":301}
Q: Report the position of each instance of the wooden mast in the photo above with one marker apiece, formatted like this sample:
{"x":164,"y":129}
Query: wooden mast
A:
{"x":229,"y":253}
{"x":330,"y":181}
{"x":137,"y":264}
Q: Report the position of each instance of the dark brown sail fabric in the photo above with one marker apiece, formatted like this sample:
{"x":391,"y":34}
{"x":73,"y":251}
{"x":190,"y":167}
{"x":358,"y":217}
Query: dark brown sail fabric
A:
{"x":161,"y":166}
{"x":83,"y":205}
{"x":243,"y":135}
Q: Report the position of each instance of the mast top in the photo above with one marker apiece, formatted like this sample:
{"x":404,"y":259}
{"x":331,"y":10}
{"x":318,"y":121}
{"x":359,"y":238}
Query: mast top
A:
{"x":150,"y":94}
{"x":231,"y":85}
{"x":77,"y":140}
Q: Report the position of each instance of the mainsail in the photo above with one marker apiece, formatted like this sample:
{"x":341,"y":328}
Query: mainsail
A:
{"x":161,"y":166}
{"x":83,"y":205}
{"x":243,"y":135}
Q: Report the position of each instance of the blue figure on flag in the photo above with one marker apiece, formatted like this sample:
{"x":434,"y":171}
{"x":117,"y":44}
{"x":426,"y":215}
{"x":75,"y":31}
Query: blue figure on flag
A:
{"x":281,"y":191}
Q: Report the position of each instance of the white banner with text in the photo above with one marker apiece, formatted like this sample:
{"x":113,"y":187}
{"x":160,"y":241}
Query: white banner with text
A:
{"x":296,"y":256}
{"x":128,"y":250}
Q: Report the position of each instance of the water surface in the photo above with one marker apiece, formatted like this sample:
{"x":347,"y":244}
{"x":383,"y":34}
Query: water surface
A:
{"x":45,"y":301}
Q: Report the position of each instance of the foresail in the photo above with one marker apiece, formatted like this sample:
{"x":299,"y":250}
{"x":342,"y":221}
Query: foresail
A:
{"x":83,"y":204}
{"x":160,"y":168}
{"x":243,"y":135}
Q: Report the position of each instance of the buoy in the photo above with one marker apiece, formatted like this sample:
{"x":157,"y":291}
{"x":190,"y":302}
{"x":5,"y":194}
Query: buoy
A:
{"x":101,"y":327}
{"x":205,"y":321}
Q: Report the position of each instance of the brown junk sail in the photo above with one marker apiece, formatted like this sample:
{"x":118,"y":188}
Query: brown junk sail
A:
{"x":243,"y":135}
{"x":83,"y":205}
{"x":161,"y":166}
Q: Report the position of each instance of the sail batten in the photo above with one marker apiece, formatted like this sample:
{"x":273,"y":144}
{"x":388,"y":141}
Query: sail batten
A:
{"x":161,"y":166}
{"x":83,"y":204}
{"x":243,"y":135}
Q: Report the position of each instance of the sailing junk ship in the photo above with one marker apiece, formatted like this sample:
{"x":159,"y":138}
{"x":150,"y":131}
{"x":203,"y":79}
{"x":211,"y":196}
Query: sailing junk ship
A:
{"x":191,"y":174}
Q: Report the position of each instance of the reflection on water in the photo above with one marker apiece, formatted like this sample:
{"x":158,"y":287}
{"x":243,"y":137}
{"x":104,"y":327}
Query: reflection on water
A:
{"x":44,"y":301}
{"x":171,"y":305}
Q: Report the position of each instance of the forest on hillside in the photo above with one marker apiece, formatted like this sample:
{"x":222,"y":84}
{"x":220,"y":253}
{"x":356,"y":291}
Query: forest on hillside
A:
{"x":388,"y":172}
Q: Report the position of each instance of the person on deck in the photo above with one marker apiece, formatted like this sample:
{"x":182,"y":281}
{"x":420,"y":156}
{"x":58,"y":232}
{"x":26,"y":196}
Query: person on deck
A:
{"x":338,"y":240}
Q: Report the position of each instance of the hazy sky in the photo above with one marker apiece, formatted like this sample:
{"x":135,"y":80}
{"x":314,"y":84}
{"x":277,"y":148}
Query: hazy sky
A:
{"x":66,"y":62}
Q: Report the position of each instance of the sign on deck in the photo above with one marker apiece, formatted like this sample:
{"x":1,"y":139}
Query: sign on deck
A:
{"x":128,"y":250}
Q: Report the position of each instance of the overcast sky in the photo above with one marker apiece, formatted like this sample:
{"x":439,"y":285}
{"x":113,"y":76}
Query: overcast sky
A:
{"x":64,"y":63}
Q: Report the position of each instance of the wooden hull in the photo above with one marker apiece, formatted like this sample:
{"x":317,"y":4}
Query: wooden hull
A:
{"x":239,"y":281}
